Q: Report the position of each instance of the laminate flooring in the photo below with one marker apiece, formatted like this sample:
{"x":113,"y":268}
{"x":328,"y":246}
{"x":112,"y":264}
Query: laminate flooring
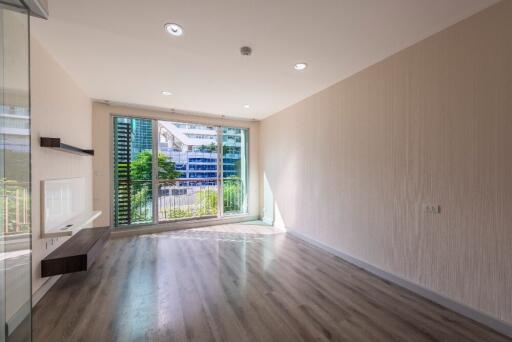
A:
{"x":239,"y":282}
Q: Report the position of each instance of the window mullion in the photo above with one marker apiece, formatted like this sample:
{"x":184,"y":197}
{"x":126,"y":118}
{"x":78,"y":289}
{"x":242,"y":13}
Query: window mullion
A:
{"x":154,"y":170}
{"x":220,"y":178}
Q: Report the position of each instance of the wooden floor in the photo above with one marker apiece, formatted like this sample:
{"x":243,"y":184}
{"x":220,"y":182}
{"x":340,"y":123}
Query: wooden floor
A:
{"x":236,"y":283}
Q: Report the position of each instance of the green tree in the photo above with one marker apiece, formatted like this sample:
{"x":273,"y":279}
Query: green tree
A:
{"x":207,"y":202}
{"x":140,"y":174}
{"x":208,"y":148}
{"x":141,"y":167}
{"x":233,"y":195}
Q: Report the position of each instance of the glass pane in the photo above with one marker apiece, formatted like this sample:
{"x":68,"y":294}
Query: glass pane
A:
{"x":234,"y":170}
{"x":15,"y":229}
{"x":187,"y":171}
{"x":133,"y":169}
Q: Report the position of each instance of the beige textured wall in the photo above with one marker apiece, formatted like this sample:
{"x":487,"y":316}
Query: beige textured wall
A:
{"x":59,"y":109}
{"x":102,"y":144}
{"x":353,"y":165}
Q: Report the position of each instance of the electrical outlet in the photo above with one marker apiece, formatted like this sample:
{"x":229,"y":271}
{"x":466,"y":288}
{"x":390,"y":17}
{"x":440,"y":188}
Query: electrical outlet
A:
{"x":432,"y":209}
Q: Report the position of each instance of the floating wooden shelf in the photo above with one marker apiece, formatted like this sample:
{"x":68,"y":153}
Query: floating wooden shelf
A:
{"x":56,"y":144}
{"x":76,"y":254}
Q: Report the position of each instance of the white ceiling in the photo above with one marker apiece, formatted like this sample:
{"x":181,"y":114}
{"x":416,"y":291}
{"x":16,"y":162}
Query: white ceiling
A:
{"x":117,"y":50}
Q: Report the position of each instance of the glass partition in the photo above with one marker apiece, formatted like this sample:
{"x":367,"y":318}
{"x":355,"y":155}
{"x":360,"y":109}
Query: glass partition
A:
{"x":15,"y":229}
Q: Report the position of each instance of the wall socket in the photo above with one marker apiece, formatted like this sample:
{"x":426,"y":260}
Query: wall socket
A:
{"x":432,"y":209}
{"x":51,"y":242}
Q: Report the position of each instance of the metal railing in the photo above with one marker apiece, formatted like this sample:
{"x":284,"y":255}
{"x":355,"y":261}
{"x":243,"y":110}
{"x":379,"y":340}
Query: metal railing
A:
{"x":134,"y":200}
{"x":187,"y":198}
{"x":182,"y":198}
{"x":233,"y":195}
{"x":15,"y":204}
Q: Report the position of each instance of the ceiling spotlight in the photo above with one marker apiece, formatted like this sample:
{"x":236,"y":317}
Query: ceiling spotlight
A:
{"x":174,"y":29}
{"x":247,"y":106}
{"x":166,"y":93}
{"x":300,"y":66}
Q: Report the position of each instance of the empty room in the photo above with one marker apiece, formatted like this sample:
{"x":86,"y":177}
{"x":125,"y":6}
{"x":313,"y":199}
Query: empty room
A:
{"x":255,"y":170}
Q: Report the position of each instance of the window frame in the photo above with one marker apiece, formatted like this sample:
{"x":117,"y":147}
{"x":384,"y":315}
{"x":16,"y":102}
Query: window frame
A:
{"x":220,"y":171}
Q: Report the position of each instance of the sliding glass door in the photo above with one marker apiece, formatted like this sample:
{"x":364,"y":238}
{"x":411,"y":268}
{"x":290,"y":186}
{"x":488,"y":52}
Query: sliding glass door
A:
{"x":169,"y":171}
{"x":188,"y":162}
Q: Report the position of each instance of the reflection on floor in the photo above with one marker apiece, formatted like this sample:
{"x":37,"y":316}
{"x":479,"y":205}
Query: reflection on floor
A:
{"x":15,"y":264}
{"x":240,"y":282}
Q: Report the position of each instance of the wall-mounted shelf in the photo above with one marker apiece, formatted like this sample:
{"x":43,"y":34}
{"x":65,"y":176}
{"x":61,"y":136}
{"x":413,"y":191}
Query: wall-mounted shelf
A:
{"x":73,"y":225}
{"x":56,"y":144}
{"x":76,"y":254}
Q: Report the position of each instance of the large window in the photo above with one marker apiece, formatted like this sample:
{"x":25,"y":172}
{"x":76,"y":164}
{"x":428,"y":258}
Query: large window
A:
{"x":167,"y":171}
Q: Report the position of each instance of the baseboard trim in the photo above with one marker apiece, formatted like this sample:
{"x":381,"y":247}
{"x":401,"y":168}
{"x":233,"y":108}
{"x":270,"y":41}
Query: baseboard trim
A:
{"x":41,"y":291}
{"x":446,"y":302}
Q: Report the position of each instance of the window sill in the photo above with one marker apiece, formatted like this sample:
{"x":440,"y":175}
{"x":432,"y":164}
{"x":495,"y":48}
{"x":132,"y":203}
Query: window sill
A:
{"x":182,"y":224}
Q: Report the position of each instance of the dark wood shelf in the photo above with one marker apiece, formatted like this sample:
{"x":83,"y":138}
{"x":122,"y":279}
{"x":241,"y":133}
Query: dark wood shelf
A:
{"x":76,"y":254}
{"x":56,"y":144}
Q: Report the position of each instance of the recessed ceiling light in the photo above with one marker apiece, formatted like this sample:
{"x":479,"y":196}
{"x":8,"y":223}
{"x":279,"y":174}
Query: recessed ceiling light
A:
{"x":247,"y":106}
{"x":300,"y":66}
{"x":174,"y":29}
{"x":166,"y":93}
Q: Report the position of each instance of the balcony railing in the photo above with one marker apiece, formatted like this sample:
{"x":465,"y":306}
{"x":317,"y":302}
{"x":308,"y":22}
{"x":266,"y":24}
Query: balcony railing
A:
{"x":15,"y":216}
{"x":133,"y":202}
{"x":233,"y":196}
{"x":187,"y":198}
{"x":178,"y":199}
